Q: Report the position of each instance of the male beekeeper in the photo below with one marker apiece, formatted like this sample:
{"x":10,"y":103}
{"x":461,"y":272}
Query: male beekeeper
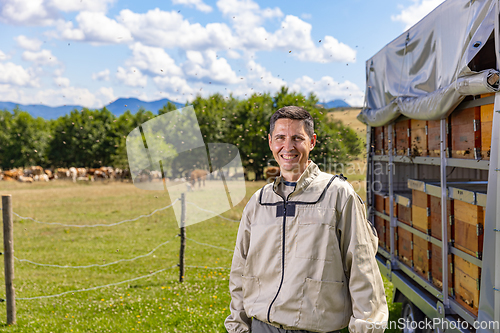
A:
{"x":304,"y":259}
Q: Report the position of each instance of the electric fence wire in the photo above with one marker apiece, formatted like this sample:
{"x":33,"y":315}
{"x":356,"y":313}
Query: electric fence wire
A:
{"x":97,"y":287}
{"x":204,"y":244}
{"x":209,"y":211}
{"x":96,"y":225}
{"x":98,"y":265}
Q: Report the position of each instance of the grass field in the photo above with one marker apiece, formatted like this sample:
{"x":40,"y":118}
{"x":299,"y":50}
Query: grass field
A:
{"x":158,"y":303}
{"x":155,"y":303}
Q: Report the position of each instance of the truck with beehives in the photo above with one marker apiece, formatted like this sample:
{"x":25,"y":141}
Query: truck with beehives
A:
{"x":432,"y":110}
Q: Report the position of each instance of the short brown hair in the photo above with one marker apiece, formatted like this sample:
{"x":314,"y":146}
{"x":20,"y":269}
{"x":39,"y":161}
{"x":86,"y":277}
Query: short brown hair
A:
{"x":294,"y":112}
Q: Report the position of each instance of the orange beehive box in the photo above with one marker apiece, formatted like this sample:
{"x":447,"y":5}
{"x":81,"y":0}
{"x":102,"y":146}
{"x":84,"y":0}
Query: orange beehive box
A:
{"x":468,"y":227}
{"x":402,"y":129}
{"x":466,"y":133}
{"x":435,"y":205}
{"x":467,"y":283}
{"x":404,"y":247}
{"x":434,"y":137}
{"x":421,"y":211}
{"x":380,"y":227}
{"x":437,"y":268}
{"x":380,"y":202}
{"x":422,"y":257}
{"x":486,"y":128}
{"x":378,"y":135}
{"x":418,"y":138}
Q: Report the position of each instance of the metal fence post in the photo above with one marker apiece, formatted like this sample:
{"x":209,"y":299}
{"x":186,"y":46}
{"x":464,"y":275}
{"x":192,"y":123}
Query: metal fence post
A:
{"x":183,"y":237}
{"x":8,"y":243}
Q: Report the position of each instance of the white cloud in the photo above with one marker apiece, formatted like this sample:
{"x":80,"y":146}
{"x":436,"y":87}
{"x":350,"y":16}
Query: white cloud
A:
{"x":65,"y":96}
{"x":295,"y":36}
{"x":31,"y":44}
{"x":415,"y":12}
{"x":3,"y":56}
{"x":170,"y":30}
{"x":208,"y":67}
{"x":198,"y":4}
{"x":11,"y":73}
{"x":327,"y":89}
{"x":330,"y":50}
{"x":95,"y":27}
{"x":306,"y":16}
{"x":81,"y":5}
{"x":260,"y":79}
{"x":62,"y":81}
{"x":42,"y":58}
{"x":101,"y":76}
{"x":27,"y":12}
{"x":246,"y":18}
{"x":106,"y":95}
{"x":131,"y":77}
{"x":174,"y":85}
{"x":153,"y":60}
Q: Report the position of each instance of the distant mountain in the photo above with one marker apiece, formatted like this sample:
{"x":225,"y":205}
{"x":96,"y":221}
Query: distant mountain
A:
{"x":38,"y":110}
{"x":337,"y":103}
{"x":117,"y":107}
{"x":121,"y":105}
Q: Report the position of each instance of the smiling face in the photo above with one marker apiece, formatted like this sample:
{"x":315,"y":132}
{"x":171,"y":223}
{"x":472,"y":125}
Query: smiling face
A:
{"x":291,"y":146}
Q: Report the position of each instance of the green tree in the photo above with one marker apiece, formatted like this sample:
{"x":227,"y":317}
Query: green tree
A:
{"x":24,"y":139}
{"x":85,"y":138}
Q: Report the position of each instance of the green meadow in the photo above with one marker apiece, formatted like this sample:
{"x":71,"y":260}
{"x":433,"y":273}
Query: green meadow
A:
{"x":127,"y":279}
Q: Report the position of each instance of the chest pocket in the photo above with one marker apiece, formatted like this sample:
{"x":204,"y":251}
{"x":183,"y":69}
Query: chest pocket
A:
{"x":316,"y":238}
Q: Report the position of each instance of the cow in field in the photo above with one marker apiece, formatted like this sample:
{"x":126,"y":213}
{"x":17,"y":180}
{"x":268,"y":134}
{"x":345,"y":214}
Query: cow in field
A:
{"x":61,"y":173}
{"x":271,"y":173}
{"x":198,"y":175}
{"x":24,"y":179}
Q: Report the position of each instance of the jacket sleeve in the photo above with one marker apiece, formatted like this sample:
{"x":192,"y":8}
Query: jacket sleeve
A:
{"x":359,"y":246}
{"x":237,"y":321}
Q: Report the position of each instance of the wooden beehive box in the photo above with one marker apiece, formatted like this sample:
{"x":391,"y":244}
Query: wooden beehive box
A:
{"x":387,"y":206}
{"x":380,"y":201}
{"x":467,"y":282}
{"x":435,"y":205}
{"x":468,"y":227}
{"x":402,"y":129}
{"x":404,"y":214}
{"x":387,"y":231}
{"x":486,"y":128}
{"x":387,"y":136}
{"x":418,"y":138}
{"x":434,"y":137}
{"x":422,"y":257}
{"x":466,"y":133}
{"x":378,"y":135}
{"x":437,"y":268}
{"x":421,"y":211}
{"x":404,"y":246}
{"x":380,"y":227}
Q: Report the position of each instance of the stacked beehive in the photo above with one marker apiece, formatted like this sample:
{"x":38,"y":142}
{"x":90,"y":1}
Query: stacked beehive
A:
{"x":468,"y":135}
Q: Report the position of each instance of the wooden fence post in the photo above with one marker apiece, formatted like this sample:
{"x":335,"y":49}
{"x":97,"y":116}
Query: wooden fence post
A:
{"x":183,"y":237}
{"x":8,"y":244}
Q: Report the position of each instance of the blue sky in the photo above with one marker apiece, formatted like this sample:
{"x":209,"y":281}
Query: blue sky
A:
{"x":91,"y":52}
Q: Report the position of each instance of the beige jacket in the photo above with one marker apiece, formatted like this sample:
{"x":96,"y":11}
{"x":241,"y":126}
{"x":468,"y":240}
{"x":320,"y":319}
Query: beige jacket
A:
{"x":310,"y":266}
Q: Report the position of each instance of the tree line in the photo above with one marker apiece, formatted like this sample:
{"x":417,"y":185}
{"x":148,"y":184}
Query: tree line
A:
{"x":95,"y":138}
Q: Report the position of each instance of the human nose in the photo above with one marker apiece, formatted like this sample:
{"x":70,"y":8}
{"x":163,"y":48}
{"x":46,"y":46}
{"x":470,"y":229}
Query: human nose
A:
{"x":288,"y":145}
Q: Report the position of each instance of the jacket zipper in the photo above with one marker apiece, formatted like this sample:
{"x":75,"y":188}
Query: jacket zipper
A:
{"x":285,"y":201}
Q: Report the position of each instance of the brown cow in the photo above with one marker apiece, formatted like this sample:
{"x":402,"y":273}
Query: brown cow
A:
{"x":200,"y":175}
{"x":271,"y":173}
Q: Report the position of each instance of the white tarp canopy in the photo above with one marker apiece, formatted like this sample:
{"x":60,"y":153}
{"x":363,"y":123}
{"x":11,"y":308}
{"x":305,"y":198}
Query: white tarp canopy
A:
{"x":424,"y":73}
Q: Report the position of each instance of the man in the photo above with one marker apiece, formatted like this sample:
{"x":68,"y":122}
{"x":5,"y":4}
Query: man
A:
{"x":305,"y":254}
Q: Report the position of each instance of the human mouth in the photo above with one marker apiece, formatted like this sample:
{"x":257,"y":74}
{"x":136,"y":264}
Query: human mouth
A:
{"x":288,"y":157}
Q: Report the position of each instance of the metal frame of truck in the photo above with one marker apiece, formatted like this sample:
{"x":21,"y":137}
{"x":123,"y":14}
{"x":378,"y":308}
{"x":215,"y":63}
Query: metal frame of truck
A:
{"x":416,"y":291}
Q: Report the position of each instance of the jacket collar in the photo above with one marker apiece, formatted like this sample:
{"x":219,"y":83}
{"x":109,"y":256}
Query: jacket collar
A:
{"x":306,"y":178}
